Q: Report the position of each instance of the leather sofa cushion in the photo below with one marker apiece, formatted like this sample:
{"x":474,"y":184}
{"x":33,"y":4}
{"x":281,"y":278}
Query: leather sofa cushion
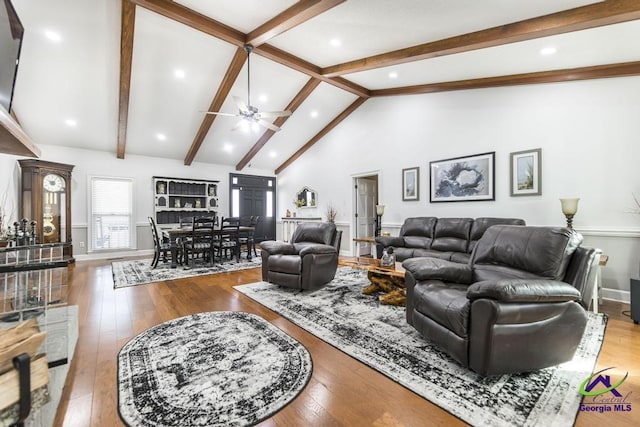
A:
{"x":445,"y":303}
{"x":542,"y":251}
{"x":438,"y":269}
{"x":524,"y":290}
{"x":417,"y":242}
{"x":403,"y":253}
{"x":314,"y":232}
{"x":419,"y":226}
{"x":290,"y":264}
{"x":480,"y":225}
{"x":451,"y":234}
{"x":460,"y":257}
{"x":432,"y":254}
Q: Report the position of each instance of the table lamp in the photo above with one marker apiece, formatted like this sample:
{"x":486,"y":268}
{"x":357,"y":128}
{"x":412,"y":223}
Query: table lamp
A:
{"x":569,"y":209}
{"x":379,"y":213}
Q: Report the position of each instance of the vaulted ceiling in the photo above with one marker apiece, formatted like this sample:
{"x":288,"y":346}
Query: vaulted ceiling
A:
{"x":134,"y":77}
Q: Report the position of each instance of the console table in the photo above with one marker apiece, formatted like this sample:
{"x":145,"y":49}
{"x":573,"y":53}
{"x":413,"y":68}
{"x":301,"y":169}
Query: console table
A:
{"x":289,"y":225}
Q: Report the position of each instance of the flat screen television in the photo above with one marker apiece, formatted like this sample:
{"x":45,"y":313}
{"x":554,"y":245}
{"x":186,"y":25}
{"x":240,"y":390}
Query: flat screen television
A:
{"x":11,"y":31}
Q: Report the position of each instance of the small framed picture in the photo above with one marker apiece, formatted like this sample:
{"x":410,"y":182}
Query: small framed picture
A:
{"x":411,"y":184}
{"x":526,"y":173}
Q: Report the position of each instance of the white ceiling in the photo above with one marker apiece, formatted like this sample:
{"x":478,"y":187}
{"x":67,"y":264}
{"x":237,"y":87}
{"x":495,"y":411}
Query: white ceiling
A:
{"x":77,"y":77}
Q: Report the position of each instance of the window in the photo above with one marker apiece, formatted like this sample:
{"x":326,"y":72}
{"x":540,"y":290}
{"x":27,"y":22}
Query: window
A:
{"x":269,"y":209}
{"x":235,"y":204}
{"x":111,"y":218}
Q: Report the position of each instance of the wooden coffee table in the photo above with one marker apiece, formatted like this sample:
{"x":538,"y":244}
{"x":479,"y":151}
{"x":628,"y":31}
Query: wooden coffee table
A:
{"x":387,"y":280}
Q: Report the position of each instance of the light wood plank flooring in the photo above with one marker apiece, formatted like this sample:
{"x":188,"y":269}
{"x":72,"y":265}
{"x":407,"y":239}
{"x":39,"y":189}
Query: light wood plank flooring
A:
{"x":342,"y":391}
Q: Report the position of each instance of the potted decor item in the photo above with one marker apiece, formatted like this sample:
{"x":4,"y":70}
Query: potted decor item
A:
{"x":331,"y":213}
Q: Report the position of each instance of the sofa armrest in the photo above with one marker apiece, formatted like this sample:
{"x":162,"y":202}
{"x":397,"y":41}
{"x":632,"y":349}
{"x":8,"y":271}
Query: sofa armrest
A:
{"x":425,"y":268}
{"x":524,"y":290}
{"x":317,"y":249}
{"x":273,"y":247}
{"x":387,"y":241}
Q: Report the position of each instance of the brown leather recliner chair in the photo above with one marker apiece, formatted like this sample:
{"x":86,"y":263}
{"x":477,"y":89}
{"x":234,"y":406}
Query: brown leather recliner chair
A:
{"x":520,"y":305}
{"x":309,"y":261}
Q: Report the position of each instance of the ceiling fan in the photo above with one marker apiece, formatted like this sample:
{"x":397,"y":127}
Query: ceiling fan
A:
{"x":249,"y":114}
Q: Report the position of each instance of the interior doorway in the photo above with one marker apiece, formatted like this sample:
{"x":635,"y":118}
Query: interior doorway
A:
{"x":366,"y":199}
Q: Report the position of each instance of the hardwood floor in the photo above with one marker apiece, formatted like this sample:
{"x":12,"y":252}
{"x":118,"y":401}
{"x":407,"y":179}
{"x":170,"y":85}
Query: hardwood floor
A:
{"x":342,"y":391}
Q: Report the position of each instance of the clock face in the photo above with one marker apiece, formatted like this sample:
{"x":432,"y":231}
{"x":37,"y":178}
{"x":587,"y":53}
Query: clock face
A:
{"x":53,"y":183}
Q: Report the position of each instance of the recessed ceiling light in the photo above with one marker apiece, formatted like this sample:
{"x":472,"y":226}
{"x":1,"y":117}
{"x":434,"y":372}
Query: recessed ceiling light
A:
{"x":273,"y":154}
{"x":393,"y":75}
{"x":71,"y":123}
{"x":161,"y":136}
{"x":228,"y":148}
{"x":53,"y":36}
{"x":314,"y":114}
{"x":179,"y":74}
{"x":263,"y":98}
{"x":548,"y":50}
{"x":335,"y":42}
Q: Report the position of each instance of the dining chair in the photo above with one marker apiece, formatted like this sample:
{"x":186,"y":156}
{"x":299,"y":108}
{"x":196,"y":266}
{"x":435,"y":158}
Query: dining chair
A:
{"x":247,"y":236}
{"x":227,"y":238}
{"x":201,"y":240}
{"x":160,"y":248}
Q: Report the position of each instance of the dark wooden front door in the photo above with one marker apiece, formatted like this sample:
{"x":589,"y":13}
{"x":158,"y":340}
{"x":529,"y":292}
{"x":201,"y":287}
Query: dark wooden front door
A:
{"x":255,"y":196}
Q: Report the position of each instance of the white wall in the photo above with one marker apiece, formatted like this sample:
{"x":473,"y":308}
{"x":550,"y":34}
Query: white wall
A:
{"x":141,"y":169}
{"x":588,"y":131}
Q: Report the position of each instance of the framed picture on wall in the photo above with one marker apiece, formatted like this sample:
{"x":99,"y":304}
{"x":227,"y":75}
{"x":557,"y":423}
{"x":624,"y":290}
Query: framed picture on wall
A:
{"x":526,"y":173}
{"x":411,"y":184}
{"x":463,"y":179}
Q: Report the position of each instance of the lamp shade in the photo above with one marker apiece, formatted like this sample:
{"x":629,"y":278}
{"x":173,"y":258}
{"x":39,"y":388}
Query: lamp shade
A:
{"x":569,"y":206}
{"x":380,"y":210}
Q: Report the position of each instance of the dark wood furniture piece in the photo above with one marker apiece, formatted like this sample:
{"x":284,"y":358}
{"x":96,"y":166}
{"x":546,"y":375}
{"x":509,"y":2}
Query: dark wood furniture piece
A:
{"x":160,"y":248}
{"x":176,"y":199}
{"x":46,"y":199}
{"x":201,"y":240}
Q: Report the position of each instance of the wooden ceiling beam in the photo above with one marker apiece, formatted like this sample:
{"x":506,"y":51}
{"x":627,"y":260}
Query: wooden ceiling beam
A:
{"x":291,"y":61}
{"x":193,"y":19}
{"x":266,"y":136}
{"x":566,"y":75}
{"x":212,"y":27}
{"x":350,"y":109}
{"x":581,"y":18}
{"x":127,"y":26}
{"x":297,"y":14}
{"x":216,"y":104}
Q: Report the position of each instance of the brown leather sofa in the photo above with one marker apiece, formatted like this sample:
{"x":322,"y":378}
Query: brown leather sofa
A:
{"x":451,"y":239}
{"x":310,"y":260}
{"x":519,"y":305}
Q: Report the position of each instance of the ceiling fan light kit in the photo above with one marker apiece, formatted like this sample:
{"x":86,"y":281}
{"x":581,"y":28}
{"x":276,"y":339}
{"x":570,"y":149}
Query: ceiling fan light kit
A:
{"x":247,"y":112}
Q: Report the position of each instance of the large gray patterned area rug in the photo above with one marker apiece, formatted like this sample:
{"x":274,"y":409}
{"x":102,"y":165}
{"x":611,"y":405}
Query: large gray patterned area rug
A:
{"x":209,"y":369}
{"x":379,"y":336}
{"x":139,"y":271}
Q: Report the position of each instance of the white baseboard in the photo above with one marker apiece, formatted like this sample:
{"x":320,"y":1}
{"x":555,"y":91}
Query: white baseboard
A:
{"x":111,"y":255}
{"x":615,"y":295}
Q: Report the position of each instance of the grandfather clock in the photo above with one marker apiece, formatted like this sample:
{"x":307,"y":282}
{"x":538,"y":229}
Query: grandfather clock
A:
{"x":46,"y":198}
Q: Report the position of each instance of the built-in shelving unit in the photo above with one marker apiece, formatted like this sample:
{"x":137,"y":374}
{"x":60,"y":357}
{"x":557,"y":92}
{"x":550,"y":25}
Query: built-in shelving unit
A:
{"x":176,"y":198}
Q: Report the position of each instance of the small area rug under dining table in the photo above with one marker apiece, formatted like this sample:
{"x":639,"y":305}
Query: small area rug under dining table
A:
{"x":139,"y":271}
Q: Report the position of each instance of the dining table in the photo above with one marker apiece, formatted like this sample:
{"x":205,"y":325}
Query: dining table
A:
{"x":175,"y":234}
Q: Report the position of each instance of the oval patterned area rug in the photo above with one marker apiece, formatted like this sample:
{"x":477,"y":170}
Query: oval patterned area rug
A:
{"x":207,"y":369}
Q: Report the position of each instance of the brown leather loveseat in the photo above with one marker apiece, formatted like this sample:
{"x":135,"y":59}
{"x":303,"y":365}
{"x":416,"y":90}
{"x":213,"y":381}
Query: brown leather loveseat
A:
{"x":310,"y":260}
{"x":452,"y":239}
{"x":519,"y":305}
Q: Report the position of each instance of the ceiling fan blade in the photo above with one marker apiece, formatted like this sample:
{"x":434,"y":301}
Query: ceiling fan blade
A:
{"x":268,"y":125}
{"x":241,"y":105}
{"x":264,"y":114}
{"x":237,"y":125}
{"x":220,"y":114}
